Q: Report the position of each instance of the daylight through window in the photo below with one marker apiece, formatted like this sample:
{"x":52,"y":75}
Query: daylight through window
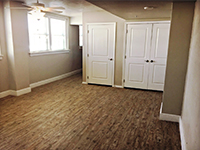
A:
{"x":47,"y":34}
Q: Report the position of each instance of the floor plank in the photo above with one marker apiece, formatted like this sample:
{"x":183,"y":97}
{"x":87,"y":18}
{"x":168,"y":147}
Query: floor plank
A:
{"x":68,"y":115}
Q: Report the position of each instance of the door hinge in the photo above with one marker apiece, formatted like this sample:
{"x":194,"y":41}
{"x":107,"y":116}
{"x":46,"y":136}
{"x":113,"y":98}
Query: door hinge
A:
{"x":126,"y":31}
{"x":87,"y":55}
{"x":87,"y":77}
{"x":125,"y":56}
{"x":88,"y":31}
{"x":124,"y":80}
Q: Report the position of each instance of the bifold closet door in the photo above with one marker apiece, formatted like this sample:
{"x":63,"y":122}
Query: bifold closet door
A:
{"x":137,"y":55}
{"x":100,"y":53}
{"x":158,"y":56}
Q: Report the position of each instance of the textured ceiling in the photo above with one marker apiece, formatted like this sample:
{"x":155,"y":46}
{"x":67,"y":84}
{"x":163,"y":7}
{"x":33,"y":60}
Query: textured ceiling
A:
{"x":130,"y":10}
{"x":72,"y":7}
{"x":126,"y":9}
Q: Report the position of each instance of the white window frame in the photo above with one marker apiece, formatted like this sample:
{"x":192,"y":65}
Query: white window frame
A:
{"x":80,"y":35}
{"x":50,"y":51}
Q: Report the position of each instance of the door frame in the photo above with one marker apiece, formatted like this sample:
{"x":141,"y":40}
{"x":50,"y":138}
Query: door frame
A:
{"x":87,"y":51}
{"x":125,"y":40}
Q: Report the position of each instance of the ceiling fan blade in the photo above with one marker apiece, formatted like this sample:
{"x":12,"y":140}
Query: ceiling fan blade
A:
{"x":61,"y":8}
{"x":52,"y":11}
{"x":19,"y":8}
{"x":26,"y":5}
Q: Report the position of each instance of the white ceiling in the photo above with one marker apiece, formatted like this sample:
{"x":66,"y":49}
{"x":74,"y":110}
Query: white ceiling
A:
{"x":133,"y":9}
{"x":128,"y":9}
{"x":72,"y":7}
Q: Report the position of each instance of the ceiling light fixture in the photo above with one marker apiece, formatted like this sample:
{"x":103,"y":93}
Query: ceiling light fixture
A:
{"x":149,"y":8}
{"x":37,"y":13}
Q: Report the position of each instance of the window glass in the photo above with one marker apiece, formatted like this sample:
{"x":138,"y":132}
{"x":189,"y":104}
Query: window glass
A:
{"x":80,"y":35}
{"x":47,"y":34}
{"x":58,"y":33}
{"x":38,"y":34}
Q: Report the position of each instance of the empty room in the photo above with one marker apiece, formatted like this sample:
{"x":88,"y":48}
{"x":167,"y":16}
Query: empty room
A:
{"x":99,"y":74}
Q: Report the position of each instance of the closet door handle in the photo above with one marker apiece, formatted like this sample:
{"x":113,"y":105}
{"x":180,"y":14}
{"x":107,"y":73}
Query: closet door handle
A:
{"x":111,"y":59}
{"x":152,"y":61}
{"x":147,"y":60}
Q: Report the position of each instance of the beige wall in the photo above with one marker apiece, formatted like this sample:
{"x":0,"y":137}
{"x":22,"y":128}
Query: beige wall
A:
{"x":103,"y":16}
{"x":191,"y":104}
{"x":4,"y":76}
{"x":44,"y":67}
{"x":179,"y":42}
{"x":21,"y":48}
{"x":18,"y":69}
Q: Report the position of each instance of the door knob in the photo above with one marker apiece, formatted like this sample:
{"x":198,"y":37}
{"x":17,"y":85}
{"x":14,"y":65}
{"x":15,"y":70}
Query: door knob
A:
{"x":111,"y":59}
{"x":152,"y":61}
{"x":147,"y":60}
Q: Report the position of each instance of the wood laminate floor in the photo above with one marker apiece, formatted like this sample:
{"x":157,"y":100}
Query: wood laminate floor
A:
{"x":68,"y":115}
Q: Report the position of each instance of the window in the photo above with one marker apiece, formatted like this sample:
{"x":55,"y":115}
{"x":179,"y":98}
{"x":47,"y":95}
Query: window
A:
{"x":47,"y":34}
{"x":58,"y":34}
{"x":80,"y":35}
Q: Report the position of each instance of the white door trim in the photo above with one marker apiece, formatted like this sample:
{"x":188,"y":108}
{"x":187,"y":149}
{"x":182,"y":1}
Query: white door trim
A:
{"x":125,"y":39}
{"x":87,"y":51}
{"x":147,"y":22}
{"x":124,"y":54}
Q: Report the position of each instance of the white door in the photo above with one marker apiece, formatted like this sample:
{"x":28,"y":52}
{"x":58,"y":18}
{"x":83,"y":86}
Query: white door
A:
{"x":100,"y":54}
{"x":137,"y":55}
{"x":158,"y":55}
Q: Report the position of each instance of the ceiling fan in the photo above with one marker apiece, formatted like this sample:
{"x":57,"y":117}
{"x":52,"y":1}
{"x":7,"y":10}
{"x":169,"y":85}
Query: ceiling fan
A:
{"x":39,"y":7}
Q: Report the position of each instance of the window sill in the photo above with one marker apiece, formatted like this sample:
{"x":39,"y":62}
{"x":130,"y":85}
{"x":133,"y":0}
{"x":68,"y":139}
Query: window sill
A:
{"x":49,"y":52}
{"x":1,"y":57}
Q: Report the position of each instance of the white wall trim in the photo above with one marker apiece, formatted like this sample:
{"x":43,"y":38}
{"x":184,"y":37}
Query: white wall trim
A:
{"x":15,"y":93}
{"x":33,"y":85}
{"x":168,"y":117}
{"x":4,"y":94}
{"x":183,"y":142}
{"x":43,"y":82}
{"x":20,"y":92}
{"x":148,"y":22}
{"x":118,"y":86}
{"x":42,"y":53}
{"x":84,"y":83}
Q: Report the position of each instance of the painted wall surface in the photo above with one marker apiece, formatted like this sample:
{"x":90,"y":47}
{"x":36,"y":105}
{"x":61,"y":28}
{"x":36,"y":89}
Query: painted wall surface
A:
{"x":191,"y":103}
{"x":76,"y":20}
{"x":21,"y":48}
{"x":48,"y":66}
{"x":99,"y":17}
{"x":18,"y":69}
{"x":4,"y":76}
{"x":179,"y":42}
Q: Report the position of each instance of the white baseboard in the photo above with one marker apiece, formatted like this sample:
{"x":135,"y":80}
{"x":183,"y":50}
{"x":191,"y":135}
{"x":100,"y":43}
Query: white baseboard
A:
{"x":4,"y":94}
{"x":118,"y":86}
{"x":183,"y":142}
{"x":84,"y":83}
{"x":43,"y":82}
{"x":168,"y":117}
{"x":20,"y":92}
{"x":33,"y":85}
{"x":15,"y":93}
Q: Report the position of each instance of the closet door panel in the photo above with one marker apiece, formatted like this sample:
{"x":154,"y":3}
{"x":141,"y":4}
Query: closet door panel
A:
{"x":137,"y":53}
{"x":158,"y":56}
